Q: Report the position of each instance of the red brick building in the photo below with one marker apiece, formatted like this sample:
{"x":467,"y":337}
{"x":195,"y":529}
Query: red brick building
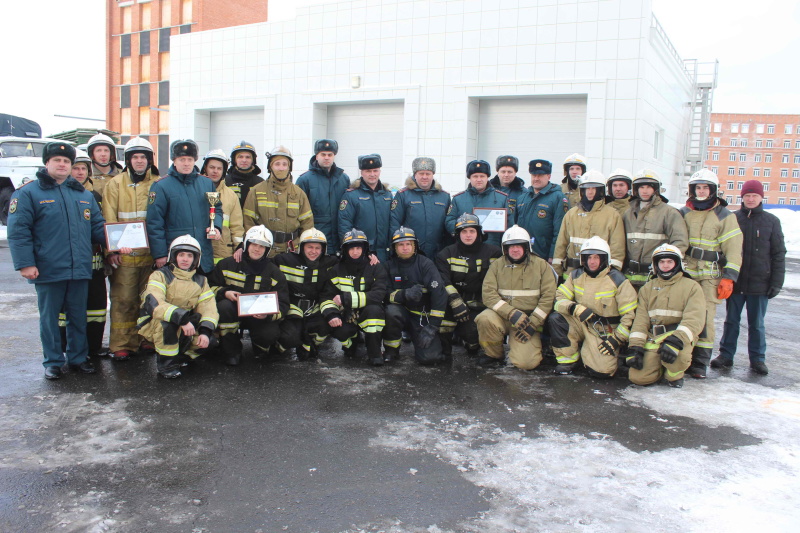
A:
{"x":743,"y":147}
{"x":137,"y":58}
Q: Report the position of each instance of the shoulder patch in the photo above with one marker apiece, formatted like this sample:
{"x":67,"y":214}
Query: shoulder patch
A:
{"x":12,"y":207}
{"x":459,"y":193}
{"x":342,"y":206}
{"x":394,"y":204}
{"x":501,"y":192}
{"x":449,"y":208}
{"x":616,"y":276}
{"x":722,"y":212}
{"x":151,"y":197}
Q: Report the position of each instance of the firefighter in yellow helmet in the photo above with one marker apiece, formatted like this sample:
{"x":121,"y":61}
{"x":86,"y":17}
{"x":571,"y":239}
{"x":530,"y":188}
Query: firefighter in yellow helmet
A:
{"x":279,"y":204}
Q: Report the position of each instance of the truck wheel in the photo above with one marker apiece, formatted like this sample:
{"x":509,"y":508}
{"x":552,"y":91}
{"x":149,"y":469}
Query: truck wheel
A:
{"x":5,"y":199}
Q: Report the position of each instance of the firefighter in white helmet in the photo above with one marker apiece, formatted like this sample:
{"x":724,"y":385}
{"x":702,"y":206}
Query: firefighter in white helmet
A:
{"x":669,"y":319}
{"x":306,"y":271}
{"x":254,"y":273}
{"x":102,"y":151}
{"x":178,"y":313}
{"x":125,"y":199}
{"x":595,"y":309}
{"x":279,"y":204}
{"x":574,"y":168}
{"x":714,"y":256}
{"x":518,"y":293}
{"x":618,"y":190}
{"x":215,"y":165}
{"x":589,"y":218}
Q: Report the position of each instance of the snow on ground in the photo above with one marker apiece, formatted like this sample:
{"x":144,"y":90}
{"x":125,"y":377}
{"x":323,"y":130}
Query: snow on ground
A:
{"x":790,"y":223}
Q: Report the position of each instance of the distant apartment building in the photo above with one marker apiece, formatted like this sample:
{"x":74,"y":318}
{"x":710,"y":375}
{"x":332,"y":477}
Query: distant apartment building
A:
{"x":138,"y":59}
{"x":743,"y":147}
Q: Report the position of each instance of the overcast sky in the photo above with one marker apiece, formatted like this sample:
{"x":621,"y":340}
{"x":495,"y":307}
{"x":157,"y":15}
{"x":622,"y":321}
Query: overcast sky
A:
{"x":54,"y":54}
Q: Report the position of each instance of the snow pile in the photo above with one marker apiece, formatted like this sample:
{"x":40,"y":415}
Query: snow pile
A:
{"x":790,"y":223}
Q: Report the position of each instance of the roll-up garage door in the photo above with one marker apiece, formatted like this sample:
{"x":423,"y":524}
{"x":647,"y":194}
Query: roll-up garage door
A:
{"x":369,"y":128}
{"x":534,"y":127}
{"x":228,"y":127}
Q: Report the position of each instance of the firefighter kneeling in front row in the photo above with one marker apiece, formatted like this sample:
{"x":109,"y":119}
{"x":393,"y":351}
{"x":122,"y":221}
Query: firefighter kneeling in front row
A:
{"x":670,"y":317}
{"x":178,"y":313}
{"x":353,"y":298}
{"x":254,"y":273}
{"x":595,"y":309}
{"x":416,"y":301}
{"x":518,"y":292}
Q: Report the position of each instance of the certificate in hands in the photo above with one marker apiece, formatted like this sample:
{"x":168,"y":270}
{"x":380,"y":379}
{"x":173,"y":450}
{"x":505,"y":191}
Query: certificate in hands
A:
{"x":492,"y":220}
{"x":259,"y":303}
{"x":126,"y":235}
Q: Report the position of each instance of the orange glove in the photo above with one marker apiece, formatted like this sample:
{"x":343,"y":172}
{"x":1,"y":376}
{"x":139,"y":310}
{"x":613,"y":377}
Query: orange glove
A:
{"x":724,"y":289}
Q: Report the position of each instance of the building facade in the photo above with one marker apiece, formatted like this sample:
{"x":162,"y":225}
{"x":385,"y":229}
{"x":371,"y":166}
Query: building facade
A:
{"x":138,"y":58}
{"x":743,"y":147}
{"x":454,"y":80}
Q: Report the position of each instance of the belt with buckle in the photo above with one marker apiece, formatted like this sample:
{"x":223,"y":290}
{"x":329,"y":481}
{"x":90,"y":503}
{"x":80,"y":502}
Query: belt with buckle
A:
{"x":703,"y":255}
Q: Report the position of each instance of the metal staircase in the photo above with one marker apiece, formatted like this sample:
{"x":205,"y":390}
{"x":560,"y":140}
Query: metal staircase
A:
{"x":704,"y":81}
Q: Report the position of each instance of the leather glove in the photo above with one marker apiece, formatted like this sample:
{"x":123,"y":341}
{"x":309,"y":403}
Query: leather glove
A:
{"x":635,"y":358}
{"x":347,"y":299}
{"x":772,"y":292}
{"x":519,"y":319}
{"x":426,"y":336}
{"x":725,"y":289}
{"x":521,"y":335}
{"x":413,"y":295}
{"x":460,"y":310}
{"x":670,"y":348}
{"x":609,"y":346}
{"x":581,"y":312}
{"x":274,"y":318}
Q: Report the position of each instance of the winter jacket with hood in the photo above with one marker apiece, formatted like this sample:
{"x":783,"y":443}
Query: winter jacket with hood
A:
{"x":370,"y":211}
{"x":579,"y":226}
{"x":712,"y":232}
{"x":324,"y":190}
{"x":763,"y":252}
{"x":466,"y":201}
{"x":424,"y":212}
{"x":126,"y":201}
{"x":541,"y":215}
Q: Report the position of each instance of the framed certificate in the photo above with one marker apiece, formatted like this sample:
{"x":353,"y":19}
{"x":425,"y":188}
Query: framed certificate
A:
{"x":126,"y":235}
{"x":492,"y":220}
{"x":258,"y":303}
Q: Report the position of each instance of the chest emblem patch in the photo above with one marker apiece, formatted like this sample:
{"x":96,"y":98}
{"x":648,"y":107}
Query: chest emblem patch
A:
{"x":87,"y":214}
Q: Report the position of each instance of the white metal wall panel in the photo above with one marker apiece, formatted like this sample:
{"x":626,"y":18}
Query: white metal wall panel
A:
{"x":228,"y":127}
{"x":365,"y":129}
{"x":534,"y":127}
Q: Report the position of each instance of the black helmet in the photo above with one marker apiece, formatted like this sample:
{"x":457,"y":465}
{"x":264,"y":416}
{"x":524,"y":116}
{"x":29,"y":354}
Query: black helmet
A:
{"x":468,"y":220}
{"x":355,"y":237}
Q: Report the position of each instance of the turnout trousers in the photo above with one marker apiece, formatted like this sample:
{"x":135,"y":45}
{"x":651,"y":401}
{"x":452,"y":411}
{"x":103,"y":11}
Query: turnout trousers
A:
{"x":492,"y":329}
{"x":263,"y":331}
{"x":371,"y":320}
{"x":127,"y":284}
{"x":581,"y":342}
{"x":398,"y":318}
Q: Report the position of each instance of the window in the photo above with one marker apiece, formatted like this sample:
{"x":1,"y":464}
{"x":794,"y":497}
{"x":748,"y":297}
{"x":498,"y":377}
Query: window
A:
{"x":732,"y":156}
{"x":784,"y":172}
{"x":782,"y":188}
{"x":716,"y":141}
{"x":765,"y":184}
{"x":770,"y":128}
{"x":798,"y":130}
{"x":741,"y":171}
{"x":757,"y":158}
{"x":756,"y":172}
{"x":738,"y":199}
{"x":734,"y":142}
{"x":787,"y":129}
{"x":731,"y":171}
{"x":797,"y":144}
{"x":163,"y":40}
{"x":743,"y":143}
{"x":715,"y":170}
{"x":787,"y":144}
{"x":768,"y":158}
{"x":759,"y":128}
{"x":767,"y":173}
{"x":729,"y":199}
{"x":792,"y":201}
{"x":742,"y":157}
{"x":715,"y":156}
{"x":769,"y":143}
{"x":717,"y":127}
{"x":758,"y":143}
{"x":739,"y":185}
{"x":144,"y":95}
{"x":144,"y":43}
{"x":186,"y":28}
{"x":795,"y":174}
{"x":794,"y":187}
{"x":163,"y":93}
{"x":730,"y":185}
{"x":781,"y":201}
{"x":125,"y":96}
{"x":745,"y":128}
{"x":785,"y":158}
{"x":796,"y":159}
{"x":734,"y":128}
{"x":125,"y":45}
{"x":766,"y":200}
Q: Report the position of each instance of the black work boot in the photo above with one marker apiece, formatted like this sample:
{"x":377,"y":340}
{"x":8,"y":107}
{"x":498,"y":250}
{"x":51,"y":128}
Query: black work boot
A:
{"x":168,"y":367}
{"x":447,"y":343}
{"x":350,"y":351}
{"x":697,"y":371}
{"x":307,"y":354}
{"x":373,"y":342}
{"x":487,"y":361}
{"x":721,"y":362}
{"x":231,"y":348}
{"x":563,"y":369}
{"x":759,"y":367}
{"x":391,"y":354}
{"x":677,"y":384}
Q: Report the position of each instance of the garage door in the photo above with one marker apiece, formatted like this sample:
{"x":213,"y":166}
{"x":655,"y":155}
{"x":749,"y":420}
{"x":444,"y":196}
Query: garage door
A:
{"x":369,"y":128}
{"x":532,"y":128}
{"x":228,"y":127}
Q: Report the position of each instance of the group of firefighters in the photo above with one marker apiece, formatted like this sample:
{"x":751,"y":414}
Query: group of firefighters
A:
{"x":605,"y":271}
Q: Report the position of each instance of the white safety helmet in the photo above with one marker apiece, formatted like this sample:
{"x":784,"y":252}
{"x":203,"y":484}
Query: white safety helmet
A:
{"x":574,"y":159}
{"x":258,"y":235}
{"x":312,"y":235}
{"x":185,"y":243}
{"x":704,"y":176}
{"x":101,"y":139}
{"x":595,"y":245}
{"x":665,"y":251}
{"x":516,"y":235}
{"x":138,"y":145}
{"x":647,"y":177}
{"x":593,"y":179}
{"x":280,"y":151}
{"x":220,"y":156}
{"x":83,"y":157}
{"x":619,"y":174}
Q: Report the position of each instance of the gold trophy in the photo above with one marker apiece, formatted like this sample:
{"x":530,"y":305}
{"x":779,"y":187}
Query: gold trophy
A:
{"x":213,"y":198}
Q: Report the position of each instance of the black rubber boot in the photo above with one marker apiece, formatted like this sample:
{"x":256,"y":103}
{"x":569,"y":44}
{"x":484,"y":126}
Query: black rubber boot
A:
{"x":391,"y":354}
{"x":563,"y":369}
{"x":168,"y":367}
{"x":373,"y":342}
